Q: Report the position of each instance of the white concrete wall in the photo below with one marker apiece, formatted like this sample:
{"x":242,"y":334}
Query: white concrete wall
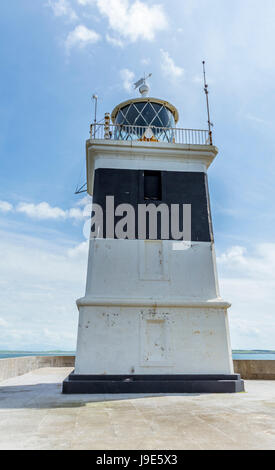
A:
{"x":151,"y":269}
{"x":134,"y":340}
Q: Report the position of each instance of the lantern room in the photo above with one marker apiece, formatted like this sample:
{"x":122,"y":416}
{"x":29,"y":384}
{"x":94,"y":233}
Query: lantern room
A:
{"x":145,"y":119}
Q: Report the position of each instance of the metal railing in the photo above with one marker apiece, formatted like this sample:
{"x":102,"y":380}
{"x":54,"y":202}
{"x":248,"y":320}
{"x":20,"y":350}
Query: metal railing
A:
{"x":150,"y":134}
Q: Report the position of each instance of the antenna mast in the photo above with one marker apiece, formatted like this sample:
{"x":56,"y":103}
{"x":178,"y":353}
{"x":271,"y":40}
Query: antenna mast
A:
{"x":210,"y":125}
{"x":95,"y":98}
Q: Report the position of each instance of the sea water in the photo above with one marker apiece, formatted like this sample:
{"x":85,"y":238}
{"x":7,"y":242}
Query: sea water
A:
{"x":268,"y":356}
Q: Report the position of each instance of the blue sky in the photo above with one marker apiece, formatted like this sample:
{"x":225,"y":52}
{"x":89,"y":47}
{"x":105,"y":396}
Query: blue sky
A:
{"x":54,"y":55}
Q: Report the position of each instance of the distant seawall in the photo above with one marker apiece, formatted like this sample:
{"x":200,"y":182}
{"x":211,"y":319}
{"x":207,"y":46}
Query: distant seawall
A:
{"x":255,"y":369}
{"x":12,"y":367}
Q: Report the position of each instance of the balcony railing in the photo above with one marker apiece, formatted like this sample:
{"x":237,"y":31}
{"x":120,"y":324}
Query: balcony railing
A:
{"x":150,"y":134}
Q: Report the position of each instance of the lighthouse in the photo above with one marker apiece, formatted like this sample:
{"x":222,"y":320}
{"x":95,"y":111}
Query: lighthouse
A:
{"x":152,"y":319}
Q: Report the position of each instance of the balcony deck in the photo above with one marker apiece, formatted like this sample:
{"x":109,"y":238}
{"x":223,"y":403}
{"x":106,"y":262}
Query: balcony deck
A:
{"x":151,"y":134}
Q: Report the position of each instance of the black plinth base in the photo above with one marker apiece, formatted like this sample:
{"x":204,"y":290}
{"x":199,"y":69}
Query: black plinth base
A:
{"x":153,"y":384}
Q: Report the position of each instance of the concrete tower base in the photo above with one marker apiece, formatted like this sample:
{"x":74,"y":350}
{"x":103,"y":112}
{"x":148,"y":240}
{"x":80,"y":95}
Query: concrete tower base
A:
{"x":95,"y":384}
{"x":143,"y":348}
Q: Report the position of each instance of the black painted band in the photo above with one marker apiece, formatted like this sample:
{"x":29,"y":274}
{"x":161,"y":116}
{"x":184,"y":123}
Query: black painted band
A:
{"x":128,"y":187}
{"x":97,"y":384}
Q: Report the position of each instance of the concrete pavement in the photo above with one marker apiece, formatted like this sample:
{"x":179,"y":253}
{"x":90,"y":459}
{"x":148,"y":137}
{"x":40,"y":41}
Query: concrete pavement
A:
{"x":35,"y":415}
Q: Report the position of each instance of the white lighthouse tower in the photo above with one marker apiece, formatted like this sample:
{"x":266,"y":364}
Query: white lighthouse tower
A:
{"x":152,"y":319}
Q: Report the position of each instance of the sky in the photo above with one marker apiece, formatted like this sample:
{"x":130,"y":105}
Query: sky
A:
{"x":54,"y":55}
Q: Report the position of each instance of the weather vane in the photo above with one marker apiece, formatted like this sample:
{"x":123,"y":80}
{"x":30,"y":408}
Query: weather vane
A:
{"x":142,"y":85}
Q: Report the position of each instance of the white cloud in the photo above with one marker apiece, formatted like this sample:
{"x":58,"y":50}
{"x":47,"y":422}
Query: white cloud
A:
{"x":145,"y":61}
{"x":39,"y":283}
{"x":85,"y":200}
{"x":256,"y":119}
{"x":79,"y":251}
{"x":5,"y":206}
{"x":41,"y":211}
{"x":127,"y":79}
{"x":75,"y":213}
{"x":3,"y":322}
{"x":44,"y":211}
{"x":86,"y":2}
{"x":86,"y":203}
{"x":247,"y":280}
{"x":169,"y":67}
{"x":81,"y":36}
{"x":234,"y":256}
{"x":132,"y":21}
{"x":114,"y":41}
{"x":259,"y":265}
{"x":127,"y":21}
{"x":62,"y":8}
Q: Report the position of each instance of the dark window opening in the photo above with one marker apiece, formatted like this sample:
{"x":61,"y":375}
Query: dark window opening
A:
{"x":152,"y":185}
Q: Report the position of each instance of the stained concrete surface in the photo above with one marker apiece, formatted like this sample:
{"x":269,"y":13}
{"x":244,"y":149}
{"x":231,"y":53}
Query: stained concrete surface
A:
{"x":35,"y":415}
